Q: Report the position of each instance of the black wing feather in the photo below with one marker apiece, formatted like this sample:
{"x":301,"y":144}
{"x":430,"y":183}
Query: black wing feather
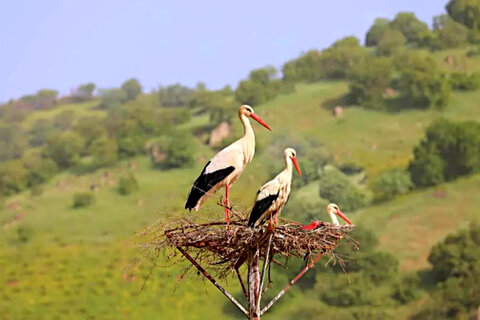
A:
{"x":204,"y":183}
{"x":260,"y":207}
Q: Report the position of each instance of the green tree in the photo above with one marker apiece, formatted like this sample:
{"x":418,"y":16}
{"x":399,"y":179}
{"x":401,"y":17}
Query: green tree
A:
{"x":390,"y":43}
{"x":39,"y":170}
{"x":90,"y":128}
{"x":450,"y":33}
{"x":376,"y":31}
{"x":12,"y":177}
{"x":40,"y":132}
{"x":421,"y":82}
{"x":410,"y":26}
{"x":307,"y":67}
{"x":46,"y":98}
{"x":466,"y":12}
{"x":85,"y":91}
{"x":65,"y":148}
{"x":261,"y":86}
{"x":112,"y":98}
{"x":456,"y":271}
{"x":132,"y":88}
{"x":180,"y":150}
{"x":368,"y":81}
{"x":175,"y":96}
{"x":104,"y":151}
{"x":336,"y":187}
{"x":13,"y":142}
{"x":337,"y":61}
{"x":64,"y":120}
{"x":391,"y":183}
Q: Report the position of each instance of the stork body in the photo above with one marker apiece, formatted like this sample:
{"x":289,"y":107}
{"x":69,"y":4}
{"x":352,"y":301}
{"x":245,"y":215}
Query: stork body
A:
{"x":333,"y":211}
{"x":226,"y":166}
{"x":273,"y":195}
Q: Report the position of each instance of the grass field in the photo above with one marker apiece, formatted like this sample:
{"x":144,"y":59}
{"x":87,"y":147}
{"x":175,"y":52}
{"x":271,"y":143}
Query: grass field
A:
{"x":58,"y":262}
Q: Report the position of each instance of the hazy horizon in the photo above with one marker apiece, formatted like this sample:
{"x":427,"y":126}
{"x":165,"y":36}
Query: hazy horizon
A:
{"x":61,"y":44}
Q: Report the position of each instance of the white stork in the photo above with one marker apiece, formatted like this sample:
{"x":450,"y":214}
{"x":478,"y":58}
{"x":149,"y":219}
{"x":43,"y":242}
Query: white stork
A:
{"x":226,"y":166}
{"x":273,"y":195}
{"x":333,"y":211}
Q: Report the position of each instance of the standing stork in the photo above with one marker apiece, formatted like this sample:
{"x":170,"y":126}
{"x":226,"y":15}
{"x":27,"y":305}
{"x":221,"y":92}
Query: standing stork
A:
{"x":226,"y":166}
{"x":273,"y":195}
{"x":333,"y":211}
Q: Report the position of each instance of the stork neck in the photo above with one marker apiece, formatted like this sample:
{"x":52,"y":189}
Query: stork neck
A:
{"x":248,"y":138}
{"x":334,"y":218}
{"x":288,"y":165}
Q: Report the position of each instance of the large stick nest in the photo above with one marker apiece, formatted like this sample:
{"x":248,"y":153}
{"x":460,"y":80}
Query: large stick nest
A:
{"x":212,"y":243}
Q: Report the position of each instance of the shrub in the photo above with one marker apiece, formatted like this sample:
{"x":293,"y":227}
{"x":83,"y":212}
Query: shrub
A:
{"x":132,"y":88}
{"x":390,"y":43}
{"x":180,"y":150}
{"x":391,"y":183}
{"x":336,"y":187}
{"x":407,"y":288}
{"x":465,"y":81}
{"x":127,"y":184}
{"x":82,"y":199}
{"x":65,"y":148}
{"x":448,"y":151}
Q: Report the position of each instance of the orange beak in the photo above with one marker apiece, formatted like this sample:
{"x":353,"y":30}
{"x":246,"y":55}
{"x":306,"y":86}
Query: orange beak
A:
{"x":295,"y":163}
{"x":259,"y":120}
{"x":341,"y":215}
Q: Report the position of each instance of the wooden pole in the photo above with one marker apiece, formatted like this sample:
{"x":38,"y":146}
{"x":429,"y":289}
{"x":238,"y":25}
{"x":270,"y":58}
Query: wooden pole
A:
{"x":254,"y":284}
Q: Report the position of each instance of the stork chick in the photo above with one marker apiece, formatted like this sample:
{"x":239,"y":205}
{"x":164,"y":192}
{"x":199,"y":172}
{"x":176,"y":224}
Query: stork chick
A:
{"x":333,"y":211}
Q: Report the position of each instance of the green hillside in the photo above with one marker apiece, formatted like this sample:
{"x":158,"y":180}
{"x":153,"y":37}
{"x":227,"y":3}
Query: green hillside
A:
{"x":75,"y":262}
{"x":390,"y":131}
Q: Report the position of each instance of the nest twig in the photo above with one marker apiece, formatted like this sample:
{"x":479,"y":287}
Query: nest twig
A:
{"x":225,"y":250}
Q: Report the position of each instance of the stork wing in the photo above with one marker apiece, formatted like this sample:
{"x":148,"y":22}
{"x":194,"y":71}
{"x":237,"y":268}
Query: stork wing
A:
{"x":204,"y":183}
{"x":266,"y":196}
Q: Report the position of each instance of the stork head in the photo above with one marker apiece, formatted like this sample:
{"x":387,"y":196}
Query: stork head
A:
{"x":291,"y":154}
{"x":247,"y":111}
{"x":333,"y":210}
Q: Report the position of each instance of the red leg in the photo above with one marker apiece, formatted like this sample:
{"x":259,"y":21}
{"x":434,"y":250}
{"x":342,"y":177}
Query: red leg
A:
{"x":227,"y":204}
{"x":276,"y":218}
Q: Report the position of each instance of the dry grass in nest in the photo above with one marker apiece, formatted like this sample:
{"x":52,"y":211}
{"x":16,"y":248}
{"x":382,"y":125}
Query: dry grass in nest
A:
{"x":222,"y":249}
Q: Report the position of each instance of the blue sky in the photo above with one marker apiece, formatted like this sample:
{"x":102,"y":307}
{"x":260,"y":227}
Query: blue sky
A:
{"x":60,"y":44}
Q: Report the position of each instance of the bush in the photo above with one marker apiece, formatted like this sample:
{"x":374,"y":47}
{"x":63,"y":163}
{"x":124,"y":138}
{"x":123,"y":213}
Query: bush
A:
{"x":420,"y":82}
{"x":390,"y":43}
{"x":65,"y":148}
{"x":12,"y":177}
{"x":127,"y":184}
{"x":180,"y":150}
{"x":391,"y":183}
{"x":112,"y":98}
{"x":82,"y":199}
{"x":448,"y":151}
{"x":376,"y":31}
{"x":336,"y":187}
{"x":368,"y":81}
{"x":132,"y":88}
{"x":175,"y":96}
{"x":465,"y":81}
{"x":103,"y":151}
{"x":407,"y":288}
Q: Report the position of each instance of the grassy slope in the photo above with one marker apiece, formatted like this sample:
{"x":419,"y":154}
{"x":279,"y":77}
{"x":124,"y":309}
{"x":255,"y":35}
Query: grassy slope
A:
{"x":76,"y":259}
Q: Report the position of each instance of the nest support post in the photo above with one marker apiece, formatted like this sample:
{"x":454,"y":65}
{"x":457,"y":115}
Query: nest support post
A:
{"x":254,"y":285}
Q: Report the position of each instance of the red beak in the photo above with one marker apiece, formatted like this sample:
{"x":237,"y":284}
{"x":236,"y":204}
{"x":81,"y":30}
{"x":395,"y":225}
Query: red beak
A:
{"x":259,"y":120}
{"x":295,"y":163}
{"x":341,"y":215}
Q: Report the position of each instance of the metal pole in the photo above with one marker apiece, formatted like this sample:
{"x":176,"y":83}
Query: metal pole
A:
{"x":292,"y":282}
